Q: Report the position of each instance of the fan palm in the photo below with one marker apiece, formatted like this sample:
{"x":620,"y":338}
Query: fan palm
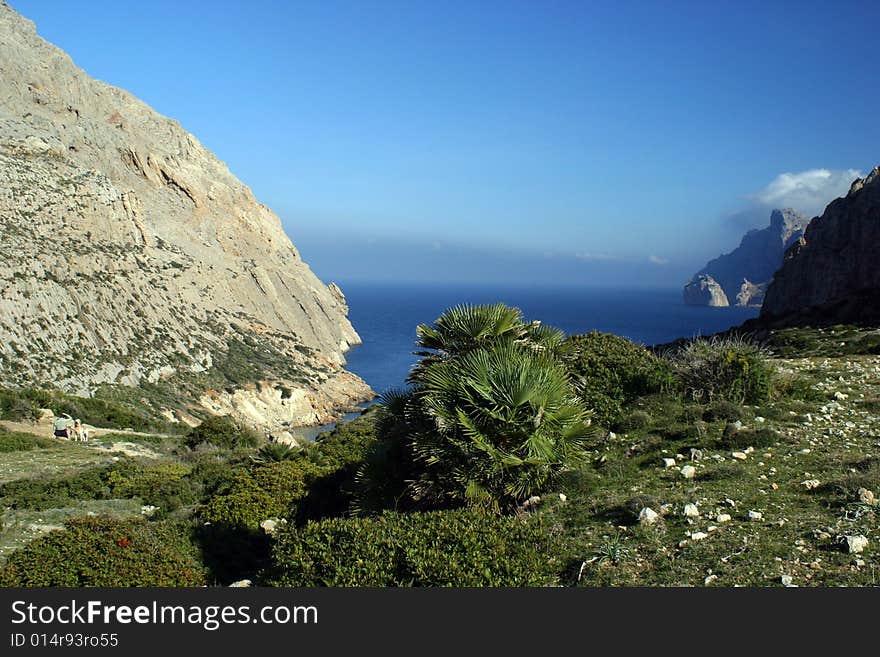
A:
{"x":461,"y":329}
{"x":503,"y":421}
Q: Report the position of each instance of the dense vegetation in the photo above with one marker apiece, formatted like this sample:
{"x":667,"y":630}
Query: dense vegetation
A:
{"x":516,"y":457}
{"x":105,"y":553}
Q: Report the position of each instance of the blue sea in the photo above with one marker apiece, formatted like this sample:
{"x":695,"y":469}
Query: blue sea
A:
{"x":385,"y":315}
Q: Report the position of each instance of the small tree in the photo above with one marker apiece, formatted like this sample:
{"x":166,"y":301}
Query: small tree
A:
{"x":491,"y":416}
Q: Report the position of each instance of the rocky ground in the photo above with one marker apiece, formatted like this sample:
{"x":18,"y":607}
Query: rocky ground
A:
{"x":789,"y":499}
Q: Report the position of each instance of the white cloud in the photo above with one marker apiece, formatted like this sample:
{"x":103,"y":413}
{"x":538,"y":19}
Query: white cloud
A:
{"x":595,"y":257}
{"x":657,"y":260}
{"x":806,"y":191}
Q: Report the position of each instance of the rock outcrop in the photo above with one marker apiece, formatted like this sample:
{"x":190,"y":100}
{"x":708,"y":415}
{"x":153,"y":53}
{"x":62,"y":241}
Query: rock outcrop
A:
{"x":831,"y":274}
{"x":129,"y":254}
{"x":703,"y":290}
{"x":743,"y":274}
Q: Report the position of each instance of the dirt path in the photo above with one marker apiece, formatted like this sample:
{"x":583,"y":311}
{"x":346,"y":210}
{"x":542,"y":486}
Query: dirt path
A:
{"x":44,"y":429}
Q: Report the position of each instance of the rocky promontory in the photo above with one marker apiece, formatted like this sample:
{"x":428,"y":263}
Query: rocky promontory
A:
{"x":740,"y":278}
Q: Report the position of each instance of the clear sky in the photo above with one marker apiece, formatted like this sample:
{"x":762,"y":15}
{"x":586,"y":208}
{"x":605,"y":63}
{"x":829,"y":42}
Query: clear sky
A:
{"x":595,"y":142}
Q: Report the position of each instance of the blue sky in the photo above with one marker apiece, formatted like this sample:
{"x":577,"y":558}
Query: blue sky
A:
{"x":602,"y":142}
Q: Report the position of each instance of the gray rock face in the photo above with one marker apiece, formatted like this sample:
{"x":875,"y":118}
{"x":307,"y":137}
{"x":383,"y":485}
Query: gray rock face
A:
{"x":743,"y":274}
{"x":832,"y":273}
{"x":703,"y":290}
{"x":129,"y":253}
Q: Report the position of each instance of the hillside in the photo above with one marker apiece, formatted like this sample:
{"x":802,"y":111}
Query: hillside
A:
{"x":130,"y":255}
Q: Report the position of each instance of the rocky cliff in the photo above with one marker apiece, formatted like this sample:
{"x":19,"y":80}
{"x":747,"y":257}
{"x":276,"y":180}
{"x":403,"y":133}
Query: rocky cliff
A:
{"x":740,"y":277}
{"x":129,"y":254}
{"x":831,"y":274}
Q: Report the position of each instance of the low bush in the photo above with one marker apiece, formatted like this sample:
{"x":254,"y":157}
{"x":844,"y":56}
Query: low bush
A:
{"x":166,"y":485}
{"x":22,"y":442}
{"x":440,"y":548}
{"x":742,"y":438}
{"x":610,"y":371}
{"x":101,"y":552}
{"x":729,"y":369}
{"x":221,"y":431}
{"x":632,"y":421}
{"x":723,"y":410}
{"x":261,"y":492}
{"x":40,"y":494}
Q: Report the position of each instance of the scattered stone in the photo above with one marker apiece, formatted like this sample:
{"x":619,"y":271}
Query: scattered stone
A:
{"x":740,"y":456}
{"x":648,"y":516}
{"x":272,"y":525}
{"x":699,"y":536}
{"x":722,"y":517}
{"x":867,"y":497}
{"x":839,"y":396}
{"x":856,"y":544}
{"x":811,"y":484}
{"x":241,"y":584}
{"x":691,"y":511}
{"x":786,"y":580}
{"x":532,"y":501}
{"x":696,"y":454}
{"x":148,"y":510}
{"x":759,"y":419}
{"x":688,"y":472}
{"x":709,"y":579}
{"x":669,"y":463}
{"x":563,"y":497}
{"x":755,"y":516}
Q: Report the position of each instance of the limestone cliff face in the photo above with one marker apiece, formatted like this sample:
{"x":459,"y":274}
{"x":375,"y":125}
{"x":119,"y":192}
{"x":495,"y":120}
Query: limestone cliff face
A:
{"x":831,"y":274}
{"x":130,"y":254}
{"x":743,"y":274}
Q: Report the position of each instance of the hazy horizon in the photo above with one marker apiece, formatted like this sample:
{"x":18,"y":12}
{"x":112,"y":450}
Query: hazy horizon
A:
{"x":600,"y":144}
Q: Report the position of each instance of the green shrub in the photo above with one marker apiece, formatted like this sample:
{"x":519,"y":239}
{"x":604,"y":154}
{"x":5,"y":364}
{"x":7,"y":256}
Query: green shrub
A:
{"x":17,"y":407}
{"x":262,"y":492}
{"x":221,"y":431}
{"x":723,"y":410}
{"x":275,"y":452}
{"x":799,"y":387}
{"x":441,"y":548}
{"x":742,"y":438}
{"x":492,"y":427}
{"x":22,"y":442}
{"x":610,"y":371}
{"x":167,"y":486}
{"x":40,"y":494}
{"x":729,"y":369}
{"x":347,"y":444}
{"x":101,"y":552}
{"x":632,"y":421}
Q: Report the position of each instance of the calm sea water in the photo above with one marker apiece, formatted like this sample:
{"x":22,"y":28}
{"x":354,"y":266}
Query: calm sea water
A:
{"x":386,"y":316}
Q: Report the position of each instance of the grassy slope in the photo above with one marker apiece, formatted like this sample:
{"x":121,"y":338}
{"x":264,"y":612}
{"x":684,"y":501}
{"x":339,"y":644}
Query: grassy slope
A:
{"x":829,"y":440}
